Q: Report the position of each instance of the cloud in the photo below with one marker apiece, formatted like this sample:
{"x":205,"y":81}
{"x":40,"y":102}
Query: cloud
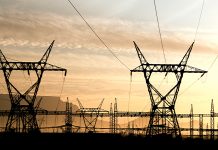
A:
{"x":26,"y":36}
{"x":70,"y":32}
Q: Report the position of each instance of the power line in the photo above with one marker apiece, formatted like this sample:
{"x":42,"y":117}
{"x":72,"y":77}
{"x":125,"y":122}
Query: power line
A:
{"x":189,"y":86}
{"x":212,"y":63}
{"x":97,"y":35}
{"x":199,"y":77}
{"x":62,"y":87}
{"x":199,"y":20}
{"x":130,"y":89}
{"x":158,"y":24}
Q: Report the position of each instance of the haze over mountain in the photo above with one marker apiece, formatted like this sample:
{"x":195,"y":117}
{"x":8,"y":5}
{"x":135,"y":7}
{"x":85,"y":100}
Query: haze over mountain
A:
{"x":48,"y":103}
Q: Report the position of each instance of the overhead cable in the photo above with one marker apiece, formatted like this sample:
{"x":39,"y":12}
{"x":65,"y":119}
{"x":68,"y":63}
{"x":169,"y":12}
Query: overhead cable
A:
{"x":95,"y":33}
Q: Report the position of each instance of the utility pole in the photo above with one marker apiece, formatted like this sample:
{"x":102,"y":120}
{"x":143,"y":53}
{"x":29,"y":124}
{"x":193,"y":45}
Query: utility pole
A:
{"x":113,"y":118}
{"x":68,"y":117}
{"x":201,"y":126}
{"x":212,"y":121}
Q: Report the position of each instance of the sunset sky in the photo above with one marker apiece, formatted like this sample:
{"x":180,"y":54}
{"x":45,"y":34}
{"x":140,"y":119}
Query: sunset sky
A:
{"x":29,"y":26}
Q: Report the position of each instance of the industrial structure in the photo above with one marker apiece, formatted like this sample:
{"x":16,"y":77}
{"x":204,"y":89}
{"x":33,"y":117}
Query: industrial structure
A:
{"x":198,"y":123}
{"x":163,"y":119}
{"x":113,"y":117}
{"x":22,"y":116}
{"x":68,"y":117}
{"x":90,"y":120}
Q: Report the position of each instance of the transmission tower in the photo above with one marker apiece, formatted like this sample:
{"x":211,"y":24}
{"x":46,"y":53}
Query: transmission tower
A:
{"x":163,"y":118}
{"x":201,"y":124}
{"x":212,"y":120}
{"x":90,"y":116}
{"x":68,"y":117}
{"x":22,"y":116}
{"x":113,"y":118}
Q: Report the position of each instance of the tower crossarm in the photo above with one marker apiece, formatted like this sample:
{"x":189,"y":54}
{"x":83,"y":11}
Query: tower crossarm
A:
{"x":91,"y":110}
{"x":29,"y":66}
{"x":190,"y":69}
{"x":174,"y":68}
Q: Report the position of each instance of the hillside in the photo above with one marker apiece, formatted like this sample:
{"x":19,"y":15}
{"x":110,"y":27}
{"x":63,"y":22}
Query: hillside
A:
{"x":48,"y":103}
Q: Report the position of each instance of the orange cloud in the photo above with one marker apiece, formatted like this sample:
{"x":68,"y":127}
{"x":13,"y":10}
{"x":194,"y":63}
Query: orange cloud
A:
{"x":70,"y":32}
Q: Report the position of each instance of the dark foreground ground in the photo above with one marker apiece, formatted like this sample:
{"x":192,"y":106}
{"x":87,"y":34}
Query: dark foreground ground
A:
{"x":98,"y":141}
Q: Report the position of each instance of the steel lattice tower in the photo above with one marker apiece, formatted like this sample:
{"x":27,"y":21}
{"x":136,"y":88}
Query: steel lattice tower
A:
{"x":22,"y":116}
{"x":90,"y":116}
{"x":113,"y":118}
{"x":212,"y":120}
{"x":163,"y":118}
{"x":201,"y":124}
{"x":68,"y":117}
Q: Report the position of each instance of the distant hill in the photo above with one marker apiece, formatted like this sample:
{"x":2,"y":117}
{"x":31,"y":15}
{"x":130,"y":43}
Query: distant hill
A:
{"x":48,"y":102}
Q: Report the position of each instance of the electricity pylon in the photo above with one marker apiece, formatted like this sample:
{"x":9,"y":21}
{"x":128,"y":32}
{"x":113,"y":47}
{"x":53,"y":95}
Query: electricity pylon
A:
{"x":90,"y":116}
{"x":113,"y":118}
{"x":22,"y":116}
{"x":163,"y":118}
{"x":68,"y":117}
